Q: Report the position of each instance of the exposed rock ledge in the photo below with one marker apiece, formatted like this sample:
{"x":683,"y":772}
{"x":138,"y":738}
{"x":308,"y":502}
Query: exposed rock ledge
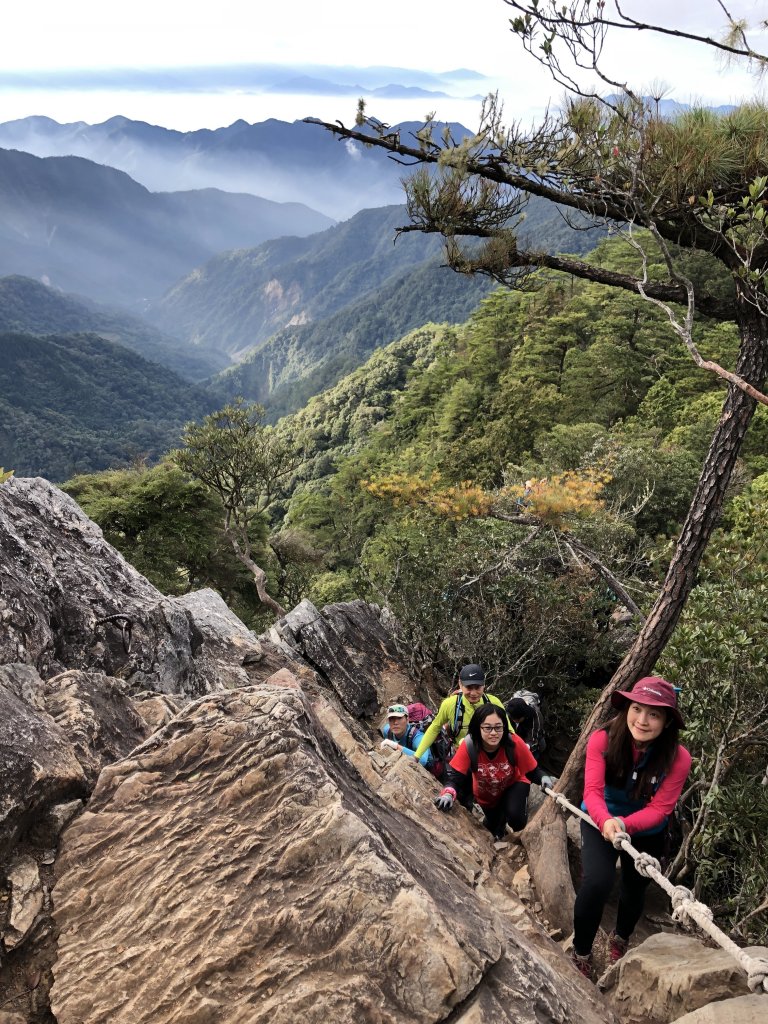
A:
{"x":236,"y":867}
{"x":247,"y":854}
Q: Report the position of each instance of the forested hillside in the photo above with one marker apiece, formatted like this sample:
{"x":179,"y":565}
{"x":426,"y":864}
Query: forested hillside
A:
{"x":564,"y":377}
{"x":30,"y":307}
{"x":239,"y":299}
{"x":306,"y":311}
{"x":304,"y":359}
{"x":73,"y":403}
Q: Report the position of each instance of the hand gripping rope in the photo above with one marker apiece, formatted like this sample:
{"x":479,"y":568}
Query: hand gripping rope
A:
{"x":684,"y":903}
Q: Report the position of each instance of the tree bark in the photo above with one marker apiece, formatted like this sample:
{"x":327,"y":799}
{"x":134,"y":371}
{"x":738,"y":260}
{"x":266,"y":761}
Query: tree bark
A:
{"x":259,"y":578}
{"x":680,"y":579}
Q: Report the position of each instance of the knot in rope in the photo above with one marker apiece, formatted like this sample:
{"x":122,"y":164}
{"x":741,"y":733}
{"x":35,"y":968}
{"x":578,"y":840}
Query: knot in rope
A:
{"x":619,"y":838}
{"x":757,"y":973}
{"x":644,"y":861}
{"x":699,"y":912}
{"x":680,"y":896}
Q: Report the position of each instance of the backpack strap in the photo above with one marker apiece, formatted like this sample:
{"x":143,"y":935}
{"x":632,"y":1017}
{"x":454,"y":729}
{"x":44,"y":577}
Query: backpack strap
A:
{"x":472,"y":751}
{"x":458,"y":714}
{"x":410,"y":733}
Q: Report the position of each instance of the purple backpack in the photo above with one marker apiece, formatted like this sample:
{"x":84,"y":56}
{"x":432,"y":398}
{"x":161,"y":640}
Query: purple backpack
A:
{"x":421,"y":715}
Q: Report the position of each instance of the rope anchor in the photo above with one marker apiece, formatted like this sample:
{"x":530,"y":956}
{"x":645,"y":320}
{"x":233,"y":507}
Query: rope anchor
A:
{"x":126,"y":627}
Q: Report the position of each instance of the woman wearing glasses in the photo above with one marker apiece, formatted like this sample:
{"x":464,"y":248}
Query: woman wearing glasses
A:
{"x":495,"y":768}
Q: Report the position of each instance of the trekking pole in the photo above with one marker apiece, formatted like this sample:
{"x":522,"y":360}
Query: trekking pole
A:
{"x":684,"y":902}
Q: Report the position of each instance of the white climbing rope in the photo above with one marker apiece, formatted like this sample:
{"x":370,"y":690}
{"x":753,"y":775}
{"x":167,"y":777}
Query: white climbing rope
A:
{"x":683,"y":901}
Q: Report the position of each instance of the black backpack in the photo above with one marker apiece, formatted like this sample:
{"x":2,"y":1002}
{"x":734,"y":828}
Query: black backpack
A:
{"x":537,"y":740}
{"x":439,"y":756}
{"x":472,"y":751}
{"x":444,"y":747}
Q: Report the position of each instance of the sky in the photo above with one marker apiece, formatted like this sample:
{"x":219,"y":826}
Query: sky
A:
{"x":188,"y":66}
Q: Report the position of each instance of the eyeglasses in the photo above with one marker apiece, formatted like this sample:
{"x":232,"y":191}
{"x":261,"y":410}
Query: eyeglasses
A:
{"x":491,"y":728}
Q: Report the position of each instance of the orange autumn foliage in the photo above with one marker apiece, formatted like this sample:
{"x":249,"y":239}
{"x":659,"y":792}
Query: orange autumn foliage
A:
{"x":550,"y":500}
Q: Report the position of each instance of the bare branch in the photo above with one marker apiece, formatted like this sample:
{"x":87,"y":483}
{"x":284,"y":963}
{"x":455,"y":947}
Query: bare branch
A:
{"x":611,"y":580}
{"x":736,"y":929}
{"x":506,"y":558}
{"x":674,"y":870}
{"x":684,"y":330}
{"x":568,"y":17}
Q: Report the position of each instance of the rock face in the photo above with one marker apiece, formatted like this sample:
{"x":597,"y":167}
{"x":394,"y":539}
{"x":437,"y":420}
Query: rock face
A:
{"x":38,"y":766}
{"x":741,"y":1010}
{"x":350,"y":648}
{"x":23,"y":876}
{"x":670,"y":975}
{"x":237,"y":868}
{"x":97,"y":715}
{"x":69,"y":600}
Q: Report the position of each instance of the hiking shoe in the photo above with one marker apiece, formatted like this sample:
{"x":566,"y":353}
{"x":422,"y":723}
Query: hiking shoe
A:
{"x":583,"y":964}
{"x":617,"y":947}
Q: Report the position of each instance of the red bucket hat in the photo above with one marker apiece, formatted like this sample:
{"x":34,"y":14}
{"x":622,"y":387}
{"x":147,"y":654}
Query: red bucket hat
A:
{"x":651,"y":690}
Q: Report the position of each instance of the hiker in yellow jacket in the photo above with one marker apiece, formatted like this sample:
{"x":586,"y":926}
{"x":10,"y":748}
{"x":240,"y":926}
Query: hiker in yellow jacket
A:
{"x":456,"y":710}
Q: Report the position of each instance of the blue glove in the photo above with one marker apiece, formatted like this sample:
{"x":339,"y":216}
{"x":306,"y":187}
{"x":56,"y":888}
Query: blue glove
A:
{"x":547,"y":782}
{"x":444,"y":802}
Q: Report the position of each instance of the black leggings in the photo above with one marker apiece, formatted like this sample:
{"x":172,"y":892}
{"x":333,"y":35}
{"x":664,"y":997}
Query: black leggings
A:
{"x":598,"y":866}
{"x":512,"y":810}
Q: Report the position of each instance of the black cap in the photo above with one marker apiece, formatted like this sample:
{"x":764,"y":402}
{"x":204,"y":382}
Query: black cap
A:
{"x":472,"y":674}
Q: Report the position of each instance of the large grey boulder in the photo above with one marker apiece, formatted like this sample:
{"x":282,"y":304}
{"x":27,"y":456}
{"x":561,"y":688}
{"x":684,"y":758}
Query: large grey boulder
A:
{"x":68,"y":600}
{"x":350,"y":649}
{"x":670,"y":975}
{"x":237,"y":867}
{"x":224,"y":636}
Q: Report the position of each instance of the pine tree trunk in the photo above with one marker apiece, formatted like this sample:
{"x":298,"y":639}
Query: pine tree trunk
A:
{"x":697,"y":530}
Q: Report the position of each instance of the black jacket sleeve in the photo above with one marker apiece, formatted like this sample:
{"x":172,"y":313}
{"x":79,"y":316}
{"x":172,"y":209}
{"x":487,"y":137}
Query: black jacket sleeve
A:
{"x":461,"y":783}
{"x":536,"y":775}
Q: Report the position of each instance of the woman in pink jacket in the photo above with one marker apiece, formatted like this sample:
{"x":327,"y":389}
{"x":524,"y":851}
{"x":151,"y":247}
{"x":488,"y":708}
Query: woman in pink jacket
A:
{"x":634,"y":773}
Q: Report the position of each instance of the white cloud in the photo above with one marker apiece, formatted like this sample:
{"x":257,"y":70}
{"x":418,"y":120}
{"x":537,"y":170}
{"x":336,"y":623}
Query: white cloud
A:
{"x":353,"y":149}
{"x":435,"y":35}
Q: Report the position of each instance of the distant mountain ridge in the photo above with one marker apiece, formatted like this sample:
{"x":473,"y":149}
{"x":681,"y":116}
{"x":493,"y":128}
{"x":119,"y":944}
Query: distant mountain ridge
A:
{"x":267,"y":78}
{"x":90,"y":229}
{"x":274,"y":159}
{"x":239,"y":299}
